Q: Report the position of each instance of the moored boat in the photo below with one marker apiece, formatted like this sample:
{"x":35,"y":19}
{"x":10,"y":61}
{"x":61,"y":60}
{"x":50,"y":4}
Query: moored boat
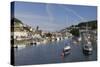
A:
{"x":66,"y":50}
{"x":87,"y":48}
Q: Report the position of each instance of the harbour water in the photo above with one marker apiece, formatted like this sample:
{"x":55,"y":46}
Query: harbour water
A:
{"x":51,"y":53}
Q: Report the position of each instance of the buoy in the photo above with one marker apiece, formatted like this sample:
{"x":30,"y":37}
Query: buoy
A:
{"x":62,"y":54}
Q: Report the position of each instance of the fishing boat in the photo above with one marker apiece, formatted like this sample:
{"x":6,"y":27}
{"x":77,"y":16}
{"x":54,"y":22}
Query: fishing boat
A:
{"x":66,"y":50}
{"x":87,"y":48}
{"x":86,"y":41}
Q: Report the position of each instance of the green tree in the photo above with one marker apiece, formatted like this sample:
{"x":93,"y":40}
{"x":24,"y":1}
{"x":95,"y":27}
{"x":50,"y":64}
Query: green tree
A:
{"x":75,"y":32}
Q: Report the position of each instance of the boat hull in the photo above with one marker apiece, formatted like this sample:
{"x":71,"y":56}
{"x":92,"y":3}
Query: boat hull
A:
{"x":66,"y":53}
{"x":87,"y":52}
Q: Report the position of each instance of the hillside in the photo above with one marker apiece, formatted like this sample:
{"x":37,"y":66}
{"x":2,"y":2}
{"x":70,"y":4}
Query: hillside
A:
{"x":17,"y":25}
{"x":16,"y":22}
{"x":92,"y":24}
{"x":74,"y":29}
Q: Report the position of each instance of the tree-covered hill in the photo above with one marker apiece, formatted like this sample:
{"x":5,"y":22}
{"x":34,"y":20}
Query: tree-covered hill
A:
{"x":74,"y":29}
{"x":16,"y":22}
{"x":92,"y":24}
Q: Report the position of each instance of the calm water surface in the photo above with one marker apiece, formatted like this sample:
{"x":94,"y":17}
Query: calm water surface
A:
{"x":51,"y":53}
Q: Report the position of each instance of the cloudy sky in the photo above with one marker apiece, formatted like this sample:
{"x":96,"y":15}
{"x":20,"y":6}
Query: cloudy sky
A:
{"x":53,"y":17}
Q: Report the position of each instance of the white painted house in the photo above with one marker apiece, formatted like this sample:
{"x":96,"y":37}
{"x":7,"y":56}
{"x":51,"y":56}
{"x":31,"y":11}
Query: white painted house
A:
{"x":19,"y":35}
